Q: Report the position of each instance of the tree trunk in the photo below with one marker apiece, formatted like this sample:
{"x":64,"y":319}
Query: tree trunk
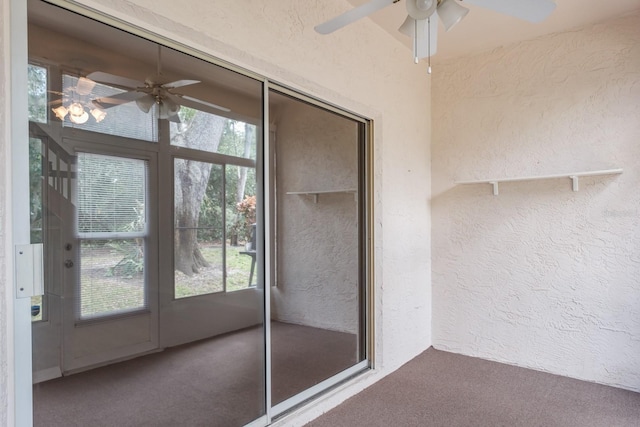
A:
{"x":249,"y":140}
{"x":190,"y":184}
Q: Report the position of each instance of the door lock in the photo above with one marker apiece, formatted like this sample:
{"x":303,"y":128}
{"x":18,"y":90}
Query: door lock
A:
{"x":68,"y":263}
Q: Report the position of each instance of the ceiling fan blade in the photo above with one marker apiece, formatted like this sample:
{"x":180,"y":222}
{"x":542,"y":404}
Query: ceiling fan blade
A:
{"x":351,"y":16}
{"x":175,"y":118}
{"x":197,"y":104}
{"x":84,"y":86}
{"x":117,"y":99}
{"x":180,"y":83}
{"x":527,"y":10}
{"x":113,"y":80}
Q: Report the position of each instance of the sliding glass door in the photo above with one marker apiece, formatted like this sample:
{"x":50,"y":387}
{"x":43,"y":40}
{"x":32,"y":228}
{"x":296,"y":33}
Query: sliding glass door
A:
{"x":204,"y":232}
{"x":318,"y":295}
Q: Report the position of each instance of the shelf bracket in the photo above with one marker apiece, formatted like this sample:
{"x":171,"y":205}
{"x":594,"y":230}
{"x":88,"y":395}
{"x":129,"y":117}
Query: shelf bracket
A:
{"x":314,"y":196}
{"x":574,"y":182}
{"x":495,"y":187}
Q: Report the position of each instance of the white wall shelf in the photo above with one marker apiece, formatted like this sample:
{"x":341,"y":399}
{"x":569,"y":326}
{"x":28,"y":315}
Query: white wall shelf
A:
{"x":316,"y":194}
{"x":573,"y":176}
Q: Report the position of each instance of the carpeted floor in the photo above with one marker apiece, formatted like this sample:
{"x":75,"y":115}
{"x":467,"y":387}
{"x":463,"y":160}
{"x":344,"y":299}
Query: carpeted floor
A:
{"x":444,"y":389}
{"x":215,"y":382}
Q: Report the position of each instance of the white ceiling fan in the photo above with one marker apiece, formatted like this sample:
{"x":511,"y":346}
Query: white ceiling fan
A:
{"x":422,"y":20}
{"x":154,"y":91}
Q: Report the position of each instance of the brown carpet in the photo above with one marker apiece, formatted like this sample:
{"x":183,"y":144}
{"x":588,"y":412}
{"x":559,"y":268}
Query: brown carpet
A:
{"x":444,"y":389}
{"x":215,"y":382}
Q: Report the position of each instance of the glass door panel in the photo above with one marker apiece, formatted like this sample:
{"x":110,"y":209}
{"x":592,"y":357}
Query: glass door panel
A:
{"x":138,"y":347}
{"x":317,"y":302}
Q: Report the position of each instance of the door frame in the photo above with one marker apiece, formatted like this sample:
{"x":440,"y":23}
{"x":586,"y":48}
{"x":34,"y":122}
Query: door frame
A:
{"x":19,"y":365}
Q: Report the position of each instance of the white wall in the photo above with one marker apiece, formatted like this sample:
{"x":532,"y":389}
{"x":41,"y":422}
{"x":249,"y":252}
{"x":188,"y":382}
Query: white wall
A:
{"x":360,"y":68}
{"x":541,"y":276}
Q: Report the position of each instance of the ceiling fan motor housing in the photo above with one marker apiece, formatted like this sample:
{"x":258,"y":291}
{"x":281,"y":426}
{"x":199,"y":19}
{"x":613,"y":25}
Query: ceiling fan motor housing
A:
{"x":421,"y":9}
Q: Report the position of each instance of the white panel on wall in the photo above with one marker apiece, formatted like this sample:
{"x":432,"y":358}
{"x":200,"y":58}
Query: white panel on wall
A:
{"x":541,"y":276}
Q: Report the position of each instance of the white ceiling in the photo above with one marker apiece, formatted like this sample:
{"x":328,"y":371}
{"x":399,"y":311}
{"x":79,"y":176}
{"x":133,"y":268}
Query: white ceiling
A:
{"x":483,"y":29}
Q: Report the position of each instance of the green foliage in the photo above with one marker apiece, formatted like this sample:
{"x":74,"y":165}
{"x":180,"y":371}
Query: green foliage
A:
{"x":210,"y":222}
{"x":132,"y":262}
{"x":37,"y":105}
{"x":35,"y":189}
{"x":37,"y":93}
{"x":246,"y":217}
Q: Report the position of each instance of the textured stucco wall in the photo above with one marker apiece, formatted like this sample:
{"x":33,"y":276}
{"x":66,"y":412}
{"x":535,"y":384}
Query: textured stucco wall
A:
{"x":362,"y":69}
{"x":317,"y":256}
{"x":541,"y":276}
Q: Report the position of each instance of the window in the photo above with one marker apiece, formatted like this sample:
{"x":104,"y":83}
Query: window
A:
{"x":238,"y":138}
{"x":112,"y":229}
{"x":214,"y":222}
{"x":125,"y":120}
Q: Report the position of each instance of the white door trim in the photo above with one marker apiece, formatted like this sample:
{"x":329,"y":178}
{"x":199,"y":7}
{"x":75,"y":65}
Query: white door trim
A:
{"x":19,"y":329}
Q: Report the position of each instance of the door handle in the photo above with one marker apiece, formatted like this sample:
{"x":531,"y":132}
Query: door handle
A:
{"x":68,"y":263}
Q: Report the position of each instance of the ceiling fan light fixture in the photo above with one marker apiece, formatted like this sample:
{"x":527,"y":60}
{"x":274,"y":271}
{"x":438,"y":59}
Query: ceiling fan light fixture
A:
{"x":76,"y":109}
{"x":167,"y":109}
{"x":60,"y":112}
{"x":145,"y":103}
{"x":451,"y":13}
{"x":98,"y":114}
{"x":421,"y":9}
{"x":79,"y":118}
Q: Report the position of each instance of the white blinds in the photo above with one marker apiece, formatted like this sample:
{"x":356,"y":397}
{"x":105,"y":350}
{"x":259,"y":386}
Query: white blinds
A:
{"x":111,"y":196}
{"x":125,"y":120}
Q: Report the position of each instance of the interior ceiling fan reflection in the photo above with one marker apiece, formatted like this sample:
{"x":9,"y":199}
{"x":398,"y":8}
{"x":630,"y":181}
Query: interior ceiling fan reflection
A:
{"x":152,"y":92}
{"x":74,"y":102}
{"x":422,"y":23}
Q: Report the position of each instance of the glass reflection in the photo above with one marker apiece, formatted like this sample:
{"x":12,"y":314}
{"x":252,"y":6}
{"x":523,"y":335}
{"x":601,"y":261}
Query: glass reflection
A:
{"x":316,"y":304}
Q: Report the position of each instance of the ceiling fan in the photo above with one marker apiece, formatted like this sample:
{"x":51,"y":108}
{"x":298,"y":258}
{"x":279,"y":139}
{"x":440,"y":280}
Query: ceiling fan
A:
{"x":422,"y":23}
{"x":74,"y":102}
{"x":154,"y":91}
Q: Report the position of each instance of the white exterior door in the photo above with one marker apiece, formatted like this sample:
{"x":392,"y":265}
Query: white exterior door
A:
{"x":100,"y":301}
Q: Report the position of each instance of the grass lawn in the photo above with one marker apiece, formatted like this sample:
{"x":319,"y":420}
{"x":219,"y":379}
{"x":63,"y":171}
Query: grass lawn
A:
{"x":209,"y":280}
{"x":104,"y":292}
